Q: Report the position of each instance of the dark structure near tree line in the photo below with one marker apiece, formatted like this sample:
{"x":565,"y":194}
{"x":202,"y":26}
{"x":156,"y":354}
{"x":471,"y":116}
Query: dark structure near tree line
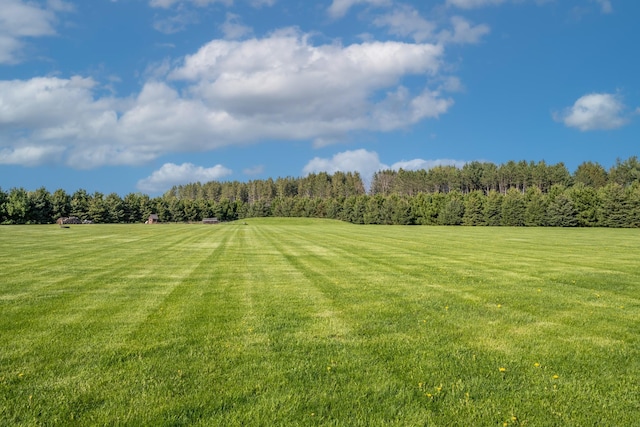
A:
{"x":153,"y":219}
{"x":210,"y":221}
{"x":68,"y":220}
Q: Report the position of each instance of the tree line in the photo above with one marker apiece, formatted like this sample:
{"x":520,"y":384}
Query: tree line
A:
{"x":479,"y":193}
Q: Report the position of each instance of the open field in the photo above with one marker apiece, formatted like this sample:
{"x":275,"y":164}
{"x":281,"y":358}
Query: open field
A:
{"x":311,"y":322}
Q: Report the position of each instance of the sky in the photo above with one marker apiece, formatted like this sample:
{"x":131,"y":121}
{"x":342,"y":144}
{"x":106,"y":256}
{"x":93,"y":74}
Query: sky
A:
{"x":131,"y":96}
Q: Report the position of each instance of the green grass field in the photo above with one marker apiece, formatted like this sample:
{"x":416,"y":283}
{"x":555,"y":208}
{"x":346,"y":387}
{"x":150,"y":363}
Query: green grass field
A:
{"x":311,"y":322}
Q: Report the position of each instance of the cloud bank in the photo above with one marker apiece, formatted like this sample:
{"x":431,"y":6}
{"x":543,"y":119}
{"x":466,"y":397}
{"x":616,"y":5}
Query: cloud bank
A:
{"x":171,"y":174}
{"x":280,"y":87}
{"x":20,"y":21}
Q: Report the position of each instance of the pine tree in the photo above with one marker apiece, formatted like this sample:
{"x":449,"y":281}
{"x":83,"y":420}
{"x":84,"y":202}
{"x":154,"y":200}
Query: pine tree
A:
{"x":513,"y":208}
{"x":474,"y":209}
{"x":493,"y":208}
{"x":561,"y":212}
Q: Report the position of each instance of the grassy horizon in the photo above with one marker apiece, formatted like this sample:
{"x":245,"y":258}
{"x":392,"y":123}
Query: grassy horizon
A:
{"x":318,"y":322}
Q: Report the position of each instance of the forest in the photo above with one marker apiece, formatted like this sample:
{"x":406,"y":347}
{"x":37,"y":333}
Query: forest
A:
{"x":477,"y":194}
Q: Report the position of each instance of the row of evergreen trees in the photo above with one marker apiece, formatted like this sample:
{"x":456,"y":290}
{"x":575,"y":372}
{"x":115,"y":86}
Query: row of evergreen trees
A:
{"x":473,"y":176}
{"x":588,"y":198}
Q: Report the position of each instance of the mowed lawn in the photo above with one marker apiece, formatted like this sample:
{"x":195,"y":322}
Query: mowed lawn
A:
{"x":312,"y":322}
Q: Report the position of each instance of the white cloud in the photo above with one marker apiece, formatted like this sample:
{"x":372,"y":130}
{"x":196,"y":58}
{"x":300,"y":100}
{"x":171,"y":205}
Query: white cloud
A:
{"x":405,"y":21}
{"x":171,"y":174}
{"x":339,"y":8}
{"x":20,"y":20}
{"x":362,"y":161}
{"x":256,"y":170}
{"x":29,"y":155}
{"x":60,"y":6}
{"x":452,"y":84}
{"x":165,"y":4}
{"x":596,"y":111}
{"x":474,"y":4}
{"x":318,"y":91}
{"x":233,"y":28}
{"x":176,"y":23}
{"x":471,"y":4}
{"x":418,"y":164}
{"x":463,"y":32}
{"x":260,"y":3}
{"x":280,"y":87}
{"x":605,"y":6}
{"x":367,"y":163}
{"x":47,"y":102}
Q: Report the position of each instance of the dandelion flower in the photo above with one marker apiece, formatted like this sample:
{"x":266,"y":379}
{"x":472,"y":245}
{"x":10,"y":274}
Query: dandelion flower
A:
{"x":502,"y":369}
{"x":537,"y":365}
{"x":555,"y":377}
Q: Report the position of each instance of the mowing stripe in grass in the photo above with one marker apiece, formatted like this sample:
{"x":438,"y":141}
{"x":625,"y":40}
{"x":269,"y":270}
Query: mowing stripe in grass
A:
{"x":301,"y":322}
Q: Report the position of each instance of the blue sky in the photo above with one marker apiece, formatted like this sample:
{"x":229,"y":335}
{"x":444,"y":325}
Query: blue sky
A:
{"x":140,"y":95}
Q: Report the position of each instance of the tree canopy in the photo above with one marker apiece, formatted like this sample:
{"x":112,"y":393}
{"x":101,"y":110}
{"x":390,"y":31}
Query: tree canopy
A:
{"x":479,"y":193}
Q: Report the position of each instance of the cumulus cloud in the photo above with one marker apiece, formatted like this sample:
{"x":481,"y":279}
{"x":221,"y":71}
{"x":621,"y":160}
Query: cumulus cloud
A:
{"x":339,"y":8}
{"x":470,"y":4}
{"x":165,"y":4}
{"x":418,"y":164}
{"x":29,"y":155}
{"x":406,"y":21}
{"x":463,"y":32}
{"x":316,"y":90}
{"x":233,"y":28}
{"x":367,"y":163}
{"x":362,"y":161}
{"x":182,"y":13}
{"x":281,"y":87}
{"x":596,"y":111}
{"x":260,"y":3}
{"x":49,"y":111}
{"x":171,"y":174}
{"x":20,"y":20}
